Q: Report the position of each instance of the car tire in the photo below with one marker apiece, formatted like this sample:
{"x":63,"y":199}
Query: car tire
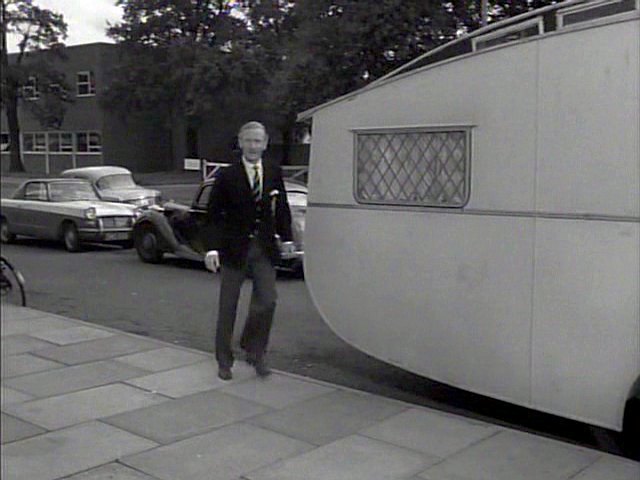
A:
{"x":147,"y":245}
{"x":71,"y":237}
{"x":5,"y":234}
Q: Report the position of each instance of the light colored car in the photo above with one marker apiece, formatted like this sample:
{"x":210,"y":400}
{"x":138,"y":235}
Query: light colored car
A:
{"x":116,"y":184}
{"x":65,"y":209}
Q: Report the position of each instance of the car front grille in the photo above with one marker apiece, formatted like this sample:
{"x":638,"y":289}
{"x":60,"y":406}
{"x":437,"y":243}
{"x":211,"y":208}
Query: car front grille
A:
{"x":116,"y":222}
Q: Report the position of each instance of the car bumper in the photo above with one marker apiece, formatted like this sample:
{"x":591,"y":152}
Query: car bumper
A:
{"x":291,"y":261}
{"x":111,"y":235}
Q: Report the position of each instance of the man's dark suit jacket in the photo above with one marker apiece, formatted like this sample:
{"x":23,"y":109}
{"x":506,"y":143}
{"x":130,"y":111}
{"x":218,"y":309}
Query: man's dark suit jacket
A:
{"x":233,"y":212}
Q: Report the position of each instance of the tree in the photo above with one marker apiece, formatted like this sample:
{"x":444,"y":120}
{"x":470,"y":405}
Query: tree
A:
{"x":468,"y":12}
{"x":175,"y":57}
{"x":315,"y":50}
{"x":38,"y":29}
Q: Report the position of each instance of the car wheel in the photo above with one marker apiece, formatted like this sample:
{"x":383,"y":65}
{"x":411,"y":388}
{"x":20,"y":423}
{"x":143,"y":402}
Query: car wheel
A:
{"x":5,"y":234}
{"x":147,"y":245}
{"x":70,"y":237}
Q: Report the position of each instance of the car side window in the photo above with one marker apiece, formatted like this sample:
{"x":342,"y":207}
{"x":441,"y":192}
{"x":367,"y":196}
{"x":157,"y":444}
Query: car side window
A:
{"x":35,"y":191}
{"x":202,"y":200}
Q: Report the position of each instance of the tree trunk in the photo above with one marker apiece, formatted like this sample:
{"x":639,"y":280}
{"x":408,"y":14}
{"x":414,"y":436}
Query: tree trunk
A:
{"x":11,"y":108}
{"x":10,"y":102}
{"x":178,"y":139}
{"x":286,"y":146}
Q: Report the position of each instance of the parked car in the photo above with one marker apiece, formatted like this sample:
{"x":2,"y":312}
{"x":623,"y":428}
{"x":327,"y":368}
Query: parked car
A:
{"x":65,"y":209}
{"x":116,"y":184}
{"x":181,"y":229}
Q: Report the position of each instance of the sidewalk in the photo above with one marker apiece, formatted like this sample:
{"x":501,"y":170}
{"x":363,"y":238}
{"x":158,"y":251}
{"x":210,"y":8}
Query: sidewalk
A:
{"x":84,"y":402}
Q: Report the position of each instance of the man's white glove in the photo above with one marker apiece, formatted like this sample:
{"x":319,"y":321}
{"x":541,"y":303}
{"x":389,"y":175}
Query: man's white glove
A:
{"x":212,"y":260}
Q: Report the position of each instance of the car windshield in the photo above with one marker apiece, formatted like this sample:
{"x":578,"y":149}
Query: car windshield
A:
{"x":68,"y":192}
{"x":119,"y":180}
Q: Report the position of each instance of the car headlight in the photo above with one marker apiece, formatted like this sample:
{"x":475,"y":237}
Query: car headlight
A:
{"x":90,"y":213}
{"x":137,"y":212}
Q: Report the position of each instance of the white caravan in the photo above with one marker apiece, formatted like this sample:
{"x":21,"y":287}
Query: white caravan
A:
{"x":474,"y":216}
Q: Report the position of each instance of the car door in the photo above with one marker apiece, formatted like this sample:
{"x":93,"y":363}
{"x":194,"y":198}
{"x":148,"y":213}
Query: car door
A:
{"x":29,"y":217}
{"x":201,"y":237}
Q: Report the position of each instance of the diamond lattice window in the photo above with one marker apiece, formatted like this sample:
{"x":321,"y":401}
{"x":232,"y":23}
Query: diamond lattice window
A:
{"x":423,"y":168}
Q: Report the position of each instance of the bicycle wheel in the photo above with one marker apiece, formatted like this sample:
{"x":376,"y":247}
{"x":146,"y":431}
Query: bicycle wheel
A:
{"x":11,"y":285}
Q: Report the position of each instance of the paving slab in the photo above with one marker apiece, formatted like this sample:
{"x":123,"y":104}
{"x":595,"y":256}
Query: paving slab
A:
{"x":430,"y":432}
{"x":610,"y":467}
{"x":111,"y":471}
{"x":514,"y":455}
{"x":77,"y":377}
{"x":67,"y":336}
{"x":190,"y":379}
{"x":223,"y":454}
{"x":9,"y":396}
{"x":102,"y":349}
{"x":279,"y":392}
{"x":161,"y":359}
{"x":69,"y":409}
{"x":68,"y":451}
{"x":15,"y":344}
{"x":26,"y":363}
{"x":352,"y":458}
{"x":187,"y":416}
{"x":329,"y":417}
{"x":13,"y":429}
{"x":12,"y":312}
{"x":29,"y":321}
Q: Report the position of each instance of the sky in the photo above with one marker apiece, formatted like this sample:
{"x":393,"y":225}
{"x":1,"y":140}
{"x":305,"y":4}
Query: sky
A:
{"x":86,"y":19}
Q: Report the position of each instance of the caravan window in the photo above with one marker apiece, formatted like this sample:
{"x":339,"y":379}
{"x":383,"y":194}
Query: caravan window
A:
{"x":417,"y":167}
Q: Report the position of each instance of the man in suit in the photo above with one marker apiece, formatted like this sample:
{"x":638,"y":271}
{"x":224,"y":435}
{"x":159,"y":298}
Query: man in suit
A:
{"x":248,"y":204}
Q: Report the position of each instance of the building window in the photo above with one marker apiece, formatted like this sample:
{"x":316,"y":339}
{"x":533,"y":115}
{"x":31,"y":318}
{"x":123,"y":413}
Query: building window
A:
{"x":88,"y":142}
{"x":30,"y":89}
{"x":60,"y":142}
{"x":34,"y":142}
{"x":86,"y":84}
{"x":414,"y":167}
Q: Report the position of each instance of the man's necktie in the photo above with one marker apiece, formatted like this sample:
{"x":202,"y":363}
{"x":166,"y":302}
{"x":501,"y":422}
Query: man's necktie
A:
{"x":256,"y":189}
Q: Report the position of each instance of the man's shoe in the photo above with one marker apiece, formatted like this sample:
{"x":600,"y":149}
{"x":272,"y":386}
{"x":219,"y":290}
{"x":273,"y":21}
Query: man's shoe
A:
{"x":224,"y":373}
{"x":262,"y":369}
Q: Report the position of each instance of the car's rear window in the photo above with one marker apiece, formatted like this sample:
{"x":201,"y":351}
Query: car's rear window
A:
{"x":120,"y":180}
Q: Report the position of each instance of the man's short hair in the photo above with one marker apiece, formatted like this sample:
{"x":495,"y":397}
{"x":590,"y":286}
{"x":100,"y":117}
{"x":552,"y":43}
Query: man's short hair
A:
{"x":252,"y":126}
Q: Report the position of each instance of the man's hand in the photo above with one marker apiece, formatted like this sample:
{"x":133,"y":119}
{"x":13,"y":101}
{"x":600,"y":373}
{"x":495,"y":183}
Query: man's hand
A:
{"x":287,"y":248}
{"x":212,"y":260}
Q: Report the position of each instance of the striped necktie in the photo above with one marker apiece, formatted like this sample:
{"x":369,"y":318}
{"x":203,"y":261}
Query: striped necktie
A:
{"x":256,"y":189}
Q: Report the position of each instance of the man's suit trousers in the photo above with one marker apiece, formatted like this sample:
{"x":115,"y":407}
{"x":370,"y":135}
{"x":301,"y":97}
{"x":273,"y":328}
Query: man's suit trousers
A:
{"x":255,"y":335}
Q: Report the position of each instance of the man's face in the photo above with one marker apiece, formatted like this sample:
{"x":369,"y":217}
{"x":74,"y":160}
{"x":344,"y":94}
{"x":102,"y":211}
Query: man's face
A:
{"x":253,"y":143}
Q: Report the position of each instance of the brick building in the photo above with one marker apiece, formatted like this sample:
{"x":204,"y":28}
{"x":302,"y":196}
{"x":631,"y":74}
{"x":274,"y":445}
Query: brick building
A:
{"x":91,"y":135}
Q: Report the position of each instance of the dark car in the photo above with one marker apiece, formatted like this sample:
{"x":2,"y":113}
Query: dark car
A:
{"x":181,"y":230}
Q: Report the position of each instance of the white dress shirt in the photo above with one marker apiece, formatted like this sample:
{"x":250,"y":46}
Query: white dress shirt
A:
{"x":249,"y":168}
